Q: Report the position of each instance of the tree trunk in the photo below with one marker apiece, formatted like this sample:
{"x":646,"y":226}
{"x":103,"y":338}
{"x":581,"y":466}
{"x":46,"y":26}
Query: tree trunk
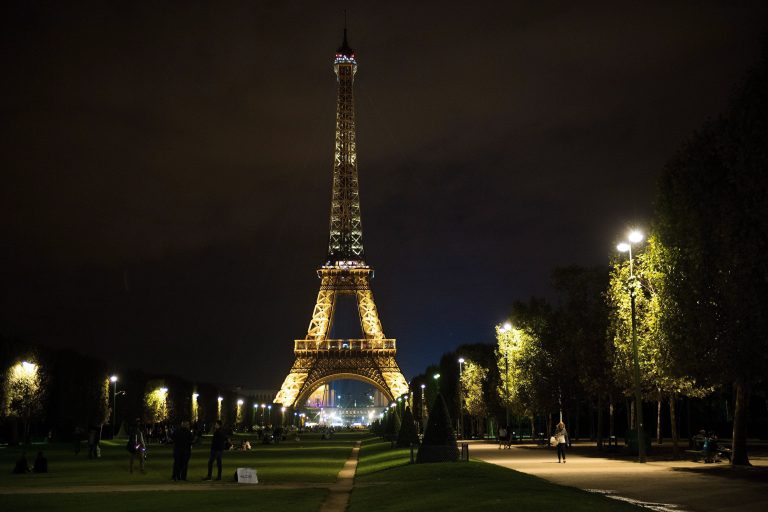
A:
{"x":611,"y":422}
{"x":549,"y":426}
{"x":592,"y":434}
{"x":659,"y":440}
{"x":739,"y":455}
{"x":631,"y":414}
{"x":673,"y":425}
{"x":533,"y":429}
{"x":599,"y":433}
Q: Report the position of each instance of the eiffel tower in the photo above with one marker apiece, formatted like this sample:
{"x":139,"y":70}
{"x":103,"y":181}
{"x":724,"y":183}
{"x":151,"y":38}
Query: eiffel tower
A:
{"x":320,"y":359}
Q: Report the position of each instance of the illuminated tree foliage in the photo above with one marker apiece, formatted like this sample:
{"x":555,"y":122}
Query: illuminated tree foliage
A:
{"x":516,"y":351}
{"x":23,"y":394}
{"x":530,"y":360}
{"x":473,"y":378}
{"x":656,"y":310}
{"x":155,"y":402}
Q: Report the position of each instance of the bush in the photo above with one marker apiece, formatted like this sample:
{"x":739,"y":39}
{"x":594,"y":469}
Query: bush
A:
{"x":439,"y":444}
{"x":393,"y":426}
{"x":408,"y":434}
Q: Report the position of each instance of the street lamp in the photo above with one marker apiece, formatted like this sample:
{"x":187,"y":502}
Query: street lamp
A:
{"x":635,"y":237}
{"x":460,"y":419}
{"x":269,"y":413}
{"x":113,"y":380}
{"x":505,"y":329}
{"x":423,"y":409}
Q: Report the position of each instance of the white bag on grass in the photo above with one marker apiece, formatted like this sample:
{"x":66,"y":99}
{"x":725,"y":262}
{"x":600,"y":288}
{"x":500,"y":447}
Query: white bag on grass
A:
{"x":247,"y":476}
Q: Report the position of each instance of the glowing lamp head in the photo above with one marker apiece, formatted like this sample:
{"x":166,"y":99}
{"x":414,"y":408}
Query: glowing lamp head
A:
{"x":436,"y":376}
{"x":423,"y":386}
{"x":28,"y":367}
{"x":461,"y":360}
{"x":282,"y":409}
{"x":623,"y":247}
{"x":195,"y":396}
{"x":220,"y":399}
{"x":635,"y":236}
{"x":240,"y":402}
{"x":263,"y":406}
{"x":113,"y":378}
{"x":506,"y":327}
{"x":163,"y":390}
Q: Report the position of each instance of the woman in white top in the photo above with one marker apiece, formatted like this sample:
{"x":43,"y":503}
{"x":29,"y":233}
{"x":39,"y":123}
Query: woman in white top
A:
{"x":561,"y":436}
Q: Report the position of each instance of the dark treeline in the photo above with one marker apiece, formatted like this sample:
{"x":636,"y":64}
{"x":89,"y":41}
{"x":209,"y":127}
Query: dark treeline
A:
{"x":52,"y":393}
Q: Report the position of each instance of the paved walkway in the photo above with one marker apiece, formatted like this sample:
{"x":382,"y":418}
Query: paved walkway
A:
{"x":669,"y":485}
{"x":338,"y":498}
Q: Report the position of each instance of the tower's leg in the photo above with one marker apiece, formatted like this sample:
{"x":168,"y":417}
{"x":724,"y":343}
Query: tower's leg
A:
{"x":294,"y":382}
{"x":369,"y":315}
{"x":320,"y":325}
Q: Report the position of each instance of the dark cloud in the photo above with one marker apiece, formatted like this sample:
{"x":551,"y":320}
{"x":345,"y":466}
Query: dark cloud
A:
{"x":166,"y":166}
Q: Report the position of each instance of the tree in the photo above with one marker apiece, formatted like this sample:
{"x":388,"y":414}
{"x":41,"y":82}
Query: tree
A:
{"x":473,"y":379}
{"x":582,"y":315}
{"x":408,"y":434}
{"x":712,"y":214}
{"x":528,"y":366}
{"x":656,"y":311}
{"x":439,"y":443}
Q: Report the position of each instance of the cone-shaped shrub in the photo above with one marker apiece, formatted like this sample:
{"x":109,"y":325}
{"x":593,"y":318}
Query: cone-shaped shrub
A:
{"x":408,"y":434}
{"x":439,"y":443}
{"x":393,"y":426}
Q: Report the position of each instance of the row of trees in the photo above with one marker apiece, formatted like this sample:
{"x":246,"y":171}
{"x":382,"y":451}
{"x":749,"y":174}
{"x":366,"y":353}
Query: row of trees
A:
{"x":701,"y":286}
{"x":53,"y":393}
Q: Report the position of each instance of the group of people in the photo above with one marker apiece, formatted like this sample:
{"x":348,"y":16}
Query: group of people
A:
{"x":183,"y":439}
{"x":22,"y":465}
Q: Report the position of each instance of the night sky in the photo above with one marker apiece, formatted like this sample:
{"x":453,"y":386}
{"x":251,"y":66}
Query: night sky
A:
{"x":166,"y":166}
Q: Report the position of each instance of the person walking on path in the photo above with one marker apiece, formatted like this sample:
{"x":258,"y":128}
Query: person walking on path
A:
{"x":561,"y":436}
{"x":136,"y":445}
{"x":502,"y":436}
{"x":182,"y":451}
{"x":217,"y":450}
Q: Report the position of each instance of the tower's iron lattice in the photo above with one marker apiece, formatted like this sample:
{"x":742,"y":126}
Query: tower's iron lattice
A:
{"x":318,"y":358}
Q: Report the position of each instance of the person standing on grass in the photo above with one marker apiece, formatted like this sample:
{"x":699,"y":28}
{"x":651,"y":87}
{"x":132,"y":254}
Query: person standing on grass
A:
{"x":182,"y":451}
{"x":136,"y":445}
{"x":561,"y":435}
{"x":217,"y":450}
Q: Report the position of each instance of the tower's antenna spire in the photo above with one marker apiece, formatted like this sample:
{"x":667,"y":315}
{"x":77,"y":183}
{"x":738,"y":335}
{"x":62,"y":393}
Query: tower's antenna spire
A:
{"x":345,"y":29}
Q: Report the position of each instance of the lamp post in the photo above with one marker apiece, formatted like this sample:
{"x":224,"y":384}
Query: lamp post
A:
{"x":113,"y":380}
{"x":263,"y":406}
{"x":423,"y":409}
{"x":269,"y":413}
{"x":460,"y":419}
{"x":505,"y":329}
{"x":634,"y":238}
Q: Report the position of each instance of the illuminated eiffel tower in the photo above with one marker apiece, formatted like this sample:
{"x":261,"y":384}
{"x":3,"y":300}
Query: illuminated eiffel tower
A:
{"x":319,"y":359}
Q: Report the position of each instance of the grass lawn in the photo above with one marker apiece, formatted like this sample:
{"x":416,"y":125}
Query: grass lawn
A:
{"x":387,"y":482}
{"x":310,"y":460}
{"x":234,"y":501}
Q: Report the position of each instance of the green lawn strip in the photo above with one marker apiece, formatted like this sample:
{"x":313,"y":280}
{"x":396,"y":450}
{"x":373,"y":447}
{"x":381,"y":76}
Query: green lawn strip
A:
{"x":235,"y":501}
{"x":389,"y":483}
{"x":376,"y":455}
{"x":309,"y":460}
